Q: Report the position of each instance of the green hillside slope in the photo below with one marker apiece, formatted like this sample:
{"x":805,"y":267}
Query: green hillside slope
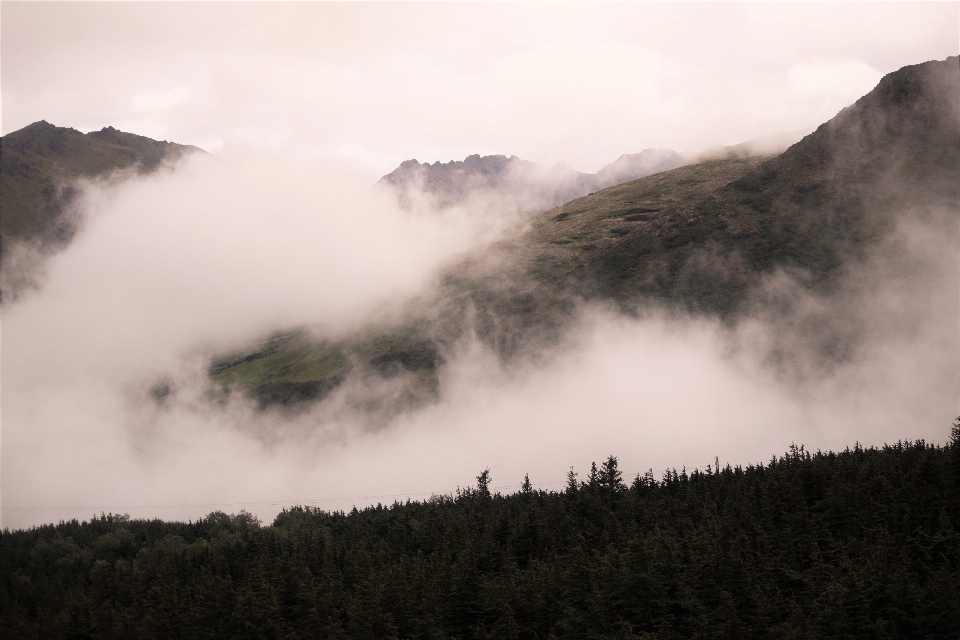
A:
{"x":293,"y":368}
{"x":515,"y":294}
{"x":699,"y":238}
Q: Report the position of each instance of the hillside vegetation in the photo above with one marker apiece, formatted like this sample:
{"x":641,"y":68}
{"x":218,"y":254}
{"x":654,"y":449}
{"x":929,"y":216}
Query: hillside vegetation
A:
{"x":514,"y":294}
{"x":292,"y":368}
{"x":700,"y":238}
{"x":856,"y":544}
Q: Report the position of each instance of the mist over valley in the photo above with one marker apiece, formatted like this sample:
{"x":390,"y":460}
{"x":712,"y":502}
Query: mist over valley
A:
{"x":304,"y":321}
{"x":205,"y":336}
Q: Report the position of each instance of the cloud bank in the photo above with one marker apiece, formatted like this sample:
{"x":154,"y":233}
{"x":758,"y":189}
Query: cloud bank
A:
{"x":174,"y":267}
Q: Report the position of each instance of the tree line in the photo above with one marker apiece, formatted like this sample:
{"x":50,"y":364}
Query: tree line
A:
{"x":856,"y":544}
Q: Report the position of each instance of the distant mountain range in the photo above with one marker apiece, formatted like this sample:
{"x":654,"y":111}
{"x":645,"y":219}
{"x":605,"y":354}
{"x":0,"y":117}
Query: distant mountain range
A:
{"x":526,"y":185}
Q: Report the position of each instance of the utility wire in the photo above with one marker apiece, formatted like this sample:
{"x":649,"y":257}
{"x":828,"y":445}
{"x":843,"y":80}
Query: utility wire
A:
{"x":268,"y":502}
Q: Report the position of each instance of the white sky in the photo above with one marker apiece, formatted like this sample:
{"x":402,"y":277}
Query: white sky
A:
{"x":380,"y":83}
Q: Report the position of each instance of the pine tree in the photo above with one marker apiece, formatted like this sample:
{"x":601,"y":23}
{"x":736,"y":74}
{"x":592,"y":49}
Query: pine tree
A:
{"x":572,"y":484}
{"x":526,"y":487}
{"x":483,"y":483}
{"x":610,"y":477}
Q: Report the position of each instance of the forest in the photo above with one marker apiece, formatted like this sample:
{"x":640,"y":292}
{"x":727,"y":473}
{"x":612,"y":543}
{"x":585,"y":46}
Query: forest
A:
{"x":856,"y":544}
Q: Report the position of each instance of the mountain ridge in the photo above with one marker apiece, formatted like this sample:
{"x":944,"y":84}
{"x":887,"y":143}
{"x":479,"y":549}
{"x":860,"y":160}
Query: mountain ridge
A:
{"x":534,"y":186}
{"x":40,"y":166}
{"x":38,"y":160}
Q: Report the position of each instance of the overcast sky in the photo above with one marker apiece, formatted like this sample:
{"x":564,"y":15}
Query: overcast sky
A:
{"x":380,"y":83}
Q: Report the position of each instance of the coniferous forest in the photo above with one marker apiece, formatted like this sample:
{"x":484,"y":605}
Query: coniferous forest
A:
{"x":857,"y":544}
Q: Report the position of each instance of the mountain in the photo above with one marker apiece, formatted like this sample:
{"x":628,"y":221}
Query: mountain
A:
{"x":39,"y":169}
{"x":823,"y":202}
{"x":39,"y":162}
{"x":702,"y":238}
{"x":525,"y":185}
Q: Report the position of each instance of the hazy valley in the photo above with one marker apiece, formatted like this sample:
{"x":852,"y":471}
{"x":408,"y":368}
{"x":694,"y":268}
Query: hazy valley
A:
{"x":280,"y":335}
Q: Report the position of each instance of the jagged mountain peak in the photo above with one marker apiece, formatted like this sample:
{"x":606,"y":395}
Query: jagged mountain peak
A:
{"x":535,"y":186}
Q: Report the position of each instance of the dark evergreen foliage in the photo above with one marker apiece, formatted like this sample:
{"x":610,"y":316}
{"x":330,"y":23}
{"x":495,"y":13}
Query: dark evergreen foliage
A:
{"x":858,"y":544}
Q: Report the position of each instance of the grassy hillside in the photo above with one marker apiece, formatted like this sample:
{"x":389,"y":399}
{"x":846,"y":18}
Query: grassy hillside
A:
{"x":293,"y":368}
{"x":39,"y":163}
{"x":514,"y":291}
{"x":894,"y":153}
{"x":861,"y":543}
{"x":702,"y":237}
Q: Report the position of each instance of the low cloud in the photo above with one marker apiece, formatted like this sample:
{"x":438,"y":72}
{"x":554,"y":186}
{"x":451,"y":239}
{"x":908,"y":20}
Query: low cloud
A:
{"x":220,"y":251}
{"x":172,"y":268}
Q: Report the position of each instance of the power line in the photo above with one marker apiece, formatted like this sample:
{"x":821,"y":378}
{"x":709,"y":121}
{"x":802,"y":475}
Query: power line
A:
{"x":263,"y":503}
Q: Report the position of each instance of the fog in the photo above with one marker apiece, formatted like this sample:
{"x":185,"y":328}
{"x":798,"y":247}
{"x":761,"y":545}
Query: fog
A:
{"x":304,"y":106}
{"x":240,"y":243}
{"x":170,"y":269}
